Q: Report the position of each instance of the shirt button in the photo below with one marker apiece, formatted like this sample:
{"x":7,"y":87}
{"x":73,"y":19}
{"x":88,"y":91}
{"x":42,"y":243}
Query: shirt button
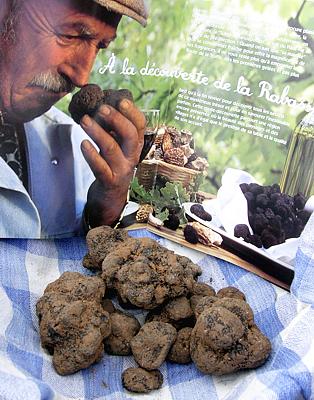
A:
{"x":54,"y":161}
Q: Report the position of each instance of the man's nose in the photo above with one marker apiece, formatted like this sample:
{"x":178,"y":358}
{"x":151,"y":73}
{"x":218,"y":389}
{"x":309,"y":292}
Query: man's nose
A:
{"x":79,"y":67}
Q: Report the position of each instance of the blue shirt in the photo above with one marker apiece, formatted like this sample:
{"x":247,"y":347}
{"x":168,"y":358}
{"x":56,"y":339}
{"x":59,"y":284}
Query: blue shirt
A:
{"x":59,"y":179}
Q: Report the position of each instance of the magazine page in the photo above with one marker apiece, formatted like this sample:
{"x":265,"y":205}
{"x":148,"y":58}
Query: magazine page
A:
{"x":234,"y":90}
{"x":227,"y":93}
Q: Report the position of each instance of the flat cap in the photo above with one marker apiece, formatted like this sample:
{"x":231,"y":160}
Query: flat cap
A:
{"x":135,"y":9}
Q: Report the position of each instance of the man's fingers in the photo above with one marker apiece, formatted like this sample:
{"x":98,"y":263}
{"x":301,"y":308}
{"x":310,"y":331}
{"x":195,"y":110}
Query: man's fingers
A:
{"x":126,"y":133}
{"x":131,"y":112}
{"x":97,"y":164}
{"x":109,"y":148}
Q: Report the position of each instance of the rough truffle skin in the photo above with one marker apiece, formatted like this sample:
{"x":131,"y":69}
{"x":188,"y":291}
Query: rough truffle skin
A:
{"x":180,"y":350}
{"x":177,"y":312}
{"x":225,"y":338}
{"x":152,"y":344}
{"x":231,"y":292}
{"x":91,"y":97}
{"x":138,"y":380}
{"x":123,"y":328}
{"x":199,"y":211}
{"x":241,"y":230}
{"x":72,"y":322}
{"x":100,"y":242}
{"x":113,"y":97}
{"x":146,"y":274}
{"x":86,"y":101}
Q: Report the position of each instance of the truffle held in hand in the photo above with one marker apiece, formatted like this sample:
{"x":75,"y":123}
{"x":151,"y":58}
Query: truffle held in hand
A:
{"x":91,"y":97}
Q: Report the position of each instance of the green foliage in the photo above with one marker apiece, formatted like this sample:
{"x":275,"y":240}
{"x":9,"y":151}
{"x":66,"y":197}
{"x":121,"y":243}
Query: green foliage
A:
{"x":172,"y":195}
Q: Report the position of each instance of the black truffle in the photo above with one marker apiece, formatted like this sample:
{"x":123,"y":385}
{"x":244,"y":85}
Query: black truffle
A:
{"x":86,"y":101}
{"x":241,"y":230}
{"x":190,"y":234}
{"x":91,"y":97}
{"x":199,"y":211}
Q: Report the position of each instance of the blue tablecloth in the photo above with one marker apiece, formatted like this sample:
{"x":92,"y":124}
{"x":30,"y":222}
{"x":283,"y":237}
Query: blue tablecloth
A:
{"x":26,"y":372}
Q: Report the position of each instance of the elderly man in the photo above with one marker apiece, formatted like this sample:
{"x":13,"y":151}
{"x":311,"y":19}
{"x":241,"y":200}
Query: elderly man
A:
{"x":49,"y":171}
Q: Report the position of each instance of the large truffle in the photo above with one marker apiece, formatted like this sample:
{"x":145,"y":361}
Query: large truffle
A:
{"x":72,"y":322}
{"x":152,"y":344}
{"x":143,"y":272}
{"x":225,"y":338}
{"x":91,"y":97}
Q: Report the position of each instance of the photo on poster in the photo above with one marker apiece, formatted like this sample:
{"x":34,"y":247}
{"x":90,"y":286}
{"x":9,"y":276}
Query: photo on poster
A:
{"x":227,"y":90}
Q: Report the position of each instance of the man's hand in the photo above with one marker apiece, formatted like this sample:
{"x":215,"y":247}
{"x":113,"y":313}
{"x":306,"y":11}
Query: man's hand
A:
{"x":113,"y":166}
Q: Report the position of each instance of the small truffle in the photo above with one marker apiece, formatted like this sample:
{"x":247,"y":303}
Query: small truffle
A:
{"x":123,"y":328}
{"x":241,"y":231}
{"x":180,"y":350}
{"x":190,"y":234}
{"x":138,"y":380}
{"x":201,"y":288}
{"x":151,"y":345}
{"x":172,"y":222}
{"x":199,"y":211}
{"x":86,"y":101}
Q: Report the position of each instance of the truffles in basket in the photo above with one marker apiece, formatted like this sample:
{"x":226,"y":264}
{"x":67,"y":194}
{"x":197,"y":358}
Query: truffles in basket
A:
{"x":176,"y":147}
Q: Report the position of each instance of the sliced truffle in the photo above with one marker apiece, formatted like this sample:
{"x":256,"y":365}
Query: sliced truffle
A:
{"x":138,"y":380}
{"x":151,"y":345}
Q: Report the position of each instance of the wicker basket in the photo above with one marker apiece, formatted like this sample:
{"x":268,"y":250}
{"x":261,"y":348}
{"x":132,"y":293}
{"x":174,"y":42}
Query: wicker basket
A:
{"x":148,"y":170}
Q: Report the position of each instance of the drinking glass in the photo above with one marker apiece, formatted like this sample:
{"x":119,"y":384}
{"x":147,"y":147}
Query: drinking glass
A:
{"x":152,"y":125}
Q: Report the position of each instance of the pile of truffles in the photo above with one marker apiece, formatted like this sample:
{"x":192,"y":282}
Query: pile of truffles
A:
{"x":176,"y":147}
{"x":187,"y":320}
{"x":273,"y":216}
{"x":91,"y":97}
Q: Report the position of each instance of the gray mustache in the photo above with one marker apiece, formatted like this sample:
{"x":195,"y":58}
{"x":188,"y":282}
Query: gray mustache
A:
{"x":52,"y":82}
